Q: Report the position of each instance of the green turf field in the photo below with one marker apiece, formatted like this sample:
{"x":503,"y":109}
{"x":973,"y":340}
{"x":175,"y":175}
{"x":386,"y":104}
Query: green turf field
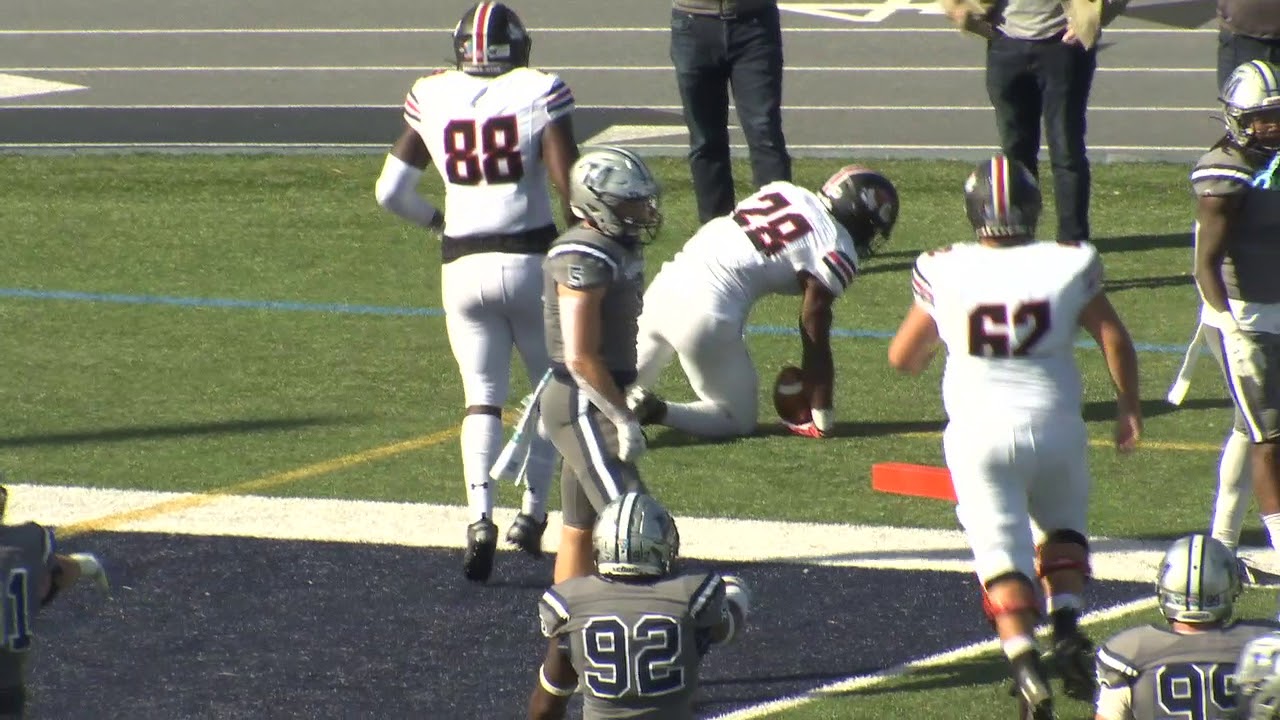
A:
{"x":181,"y":397}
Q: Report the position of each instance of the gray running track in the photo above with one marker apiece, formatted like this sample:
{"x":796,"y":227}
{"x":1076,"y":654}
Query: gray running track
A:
{"x":240,"y":74}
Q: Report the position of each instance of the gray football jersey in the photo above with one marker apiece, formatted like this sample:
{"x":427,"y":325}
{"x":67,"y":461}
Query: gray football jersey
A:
{"x":581,"y":259}
{"x":26,"y":560}
{"x":1253,"y":251}
{"x":636,"y":645}
{"x":1175,"y":675}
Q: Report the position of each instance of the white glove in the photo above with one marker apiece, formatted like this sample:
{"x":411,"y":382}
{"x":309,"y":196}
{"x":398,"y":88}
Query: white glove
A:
{"x":736,"y":591}
{"x":631,"y":442}
{"x":92,"y":569}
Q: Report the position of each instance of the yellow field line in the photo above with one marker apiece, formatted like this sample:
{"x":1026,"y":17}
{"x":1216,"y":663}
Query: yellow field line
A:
{"x":1105,"y":443}
{"x":263,"y":483}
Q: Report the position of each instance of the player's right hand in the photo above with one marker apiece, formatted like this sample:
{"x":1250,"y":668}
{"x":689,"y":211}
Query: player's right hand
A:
{"x":631,"y":441}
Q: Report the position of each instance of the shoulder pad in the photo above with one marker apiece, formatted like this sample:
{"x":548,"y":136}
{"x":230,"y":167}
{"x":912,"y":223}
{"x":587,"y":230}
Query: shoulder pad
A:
{"x":580,"y":265}
{"x":553,"y":612}
{"x":1221,"y":172}
{"x":921,"y":285}
{"x":1114,"y":669}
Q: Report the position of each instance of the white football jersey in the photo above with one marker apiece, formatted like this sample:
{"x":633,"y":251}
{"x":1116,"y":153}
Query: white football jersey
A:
{"x":780,"y":230}
{"x":1009,"y":317}
{"x":484,"y":135}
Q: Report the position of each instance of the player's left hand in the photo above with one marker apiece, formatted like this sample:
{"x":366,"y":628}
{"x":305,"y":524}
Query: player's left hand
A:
{"x":805,"y":429}
{"x":91,"y":568}
{"x":1128,"y":431}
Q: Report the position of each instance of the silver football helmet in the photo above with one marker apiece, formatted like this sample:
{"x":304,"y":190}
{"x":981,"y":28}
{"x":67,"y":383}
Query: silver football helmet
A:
{"x":613,"y":189}
{"x":1199,"y":580}
{"x":1258,"y":678}
{"x":1252,"y":93}
{"x":635,"y":536}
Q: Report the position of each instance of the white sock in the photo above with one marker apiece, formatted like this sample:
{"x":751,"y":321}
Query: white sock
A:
{"x":538,"y":476}
{"x":1017,"y":645}
{"x":1062,"y":601}
{"x":481,"y":443}
{"x":702,"y":418}
{"x":1272,"y":523}
{"x":1235,"y":487}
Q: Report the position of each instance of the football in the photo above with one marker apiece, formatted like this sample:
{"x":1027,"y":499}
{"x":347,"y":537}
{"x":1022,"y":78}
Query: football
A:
{"x":789,"y":397}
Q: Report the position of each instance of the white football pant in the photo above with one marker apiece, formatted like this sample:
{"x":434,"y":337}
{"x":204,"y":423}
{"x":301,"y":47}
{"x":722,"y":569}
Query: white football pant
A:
{"x":1014,"y":483}
{"x":715,"y":359}
{"x":492,"y":302}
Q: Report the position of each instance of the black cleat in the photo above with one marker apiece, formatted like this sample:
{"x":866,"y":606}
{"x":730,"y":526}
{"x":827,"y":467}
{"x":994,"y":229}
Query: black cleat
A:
{"x":1031,"y":687}
{"x":1073,"y":658}
{"x":482,"y":542}
{"x":526,"y":534}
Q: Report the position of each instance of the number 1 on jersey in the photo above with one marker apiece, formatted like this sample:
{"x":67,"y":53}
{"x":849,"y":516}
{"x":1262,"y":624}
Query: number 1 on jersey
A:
{"x":498,"y":160}
{"x":17,"y":617}
{"x":768,"y":224}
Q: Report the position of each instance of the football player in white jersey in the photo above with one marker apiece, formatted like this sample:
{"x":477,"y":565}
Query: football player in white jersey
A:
{"x":782,"y":240}
{"x":1008,"y":309}
{"x":494,"y":129}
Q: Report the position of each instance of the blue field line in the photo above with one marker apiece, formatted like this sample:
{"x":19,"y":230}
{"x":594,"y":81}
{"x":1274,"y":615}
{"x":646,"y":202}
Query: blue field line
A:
{"x":344,"y":308}
{"x":217,"y":302}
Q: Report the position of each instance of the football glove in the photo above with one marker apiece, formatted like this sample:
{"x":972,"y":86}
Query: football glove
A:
{"x":91,"y":569}
{"x":631,"y":440}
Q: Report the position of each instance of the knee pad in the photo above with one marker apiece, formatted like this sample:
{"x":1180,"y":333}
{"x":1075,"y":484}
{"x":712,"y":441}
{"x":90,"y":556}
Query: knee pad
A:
{"x":1057,"y":553}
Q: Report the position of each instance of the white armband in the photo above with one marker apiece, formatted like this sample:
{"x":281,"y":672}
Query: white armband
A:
{"x":397,"y":191}
{"x":550,"y":686}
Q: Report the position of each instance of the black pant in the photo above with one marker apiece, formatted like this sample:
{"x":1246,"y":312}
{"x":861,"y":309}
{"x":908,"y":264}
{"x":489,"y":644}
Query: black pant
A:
{"x":1235,"y":50}
{"x":1028,"y":80}
{"x":711,"y":54}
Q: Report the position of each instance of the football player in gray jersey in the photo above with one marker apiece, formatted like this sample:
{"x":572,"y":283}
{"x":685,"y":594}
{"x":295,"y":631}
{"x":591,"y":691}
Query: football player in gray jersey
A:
{"x":593,"y":282}
{"x":1182,"y":668}
{"x":631,"y":636}
{"x":33,"y":573}
{"x":1258,"y":679}
{"x":1237,"y":260}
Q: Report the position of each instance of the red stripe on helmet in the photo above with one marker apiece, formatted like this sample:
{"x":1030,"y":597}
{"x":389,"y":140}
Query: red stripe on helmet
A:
{"x":480,"y":33}
{"x":1000,"y":189}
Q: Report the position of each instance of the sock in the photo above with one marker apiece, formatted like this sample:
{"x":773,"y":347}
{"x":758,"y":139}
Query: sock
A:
{"x":1018,"y":645}
{"x":481,"y":443}
{"x":1272,"y":523}
{"x":1064,"y":611}
{"x":538,"y":476}
{"x":1235,"y":485}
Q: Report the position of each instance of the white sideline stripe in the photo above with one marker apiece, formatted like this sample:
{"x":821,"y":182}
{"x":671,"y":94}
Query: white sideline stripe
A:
{"x":669,"y":108}
{"x":392,"y":31}
{"x":426,"y":525}
{"x":860,"y":682}
{"x":553,"y":68}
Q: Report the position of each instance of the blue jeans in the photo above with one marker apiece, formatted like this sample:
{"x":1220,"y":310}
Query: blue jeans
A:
{"x":712,"y":54}
{"x":1235,"y":50}
{"x":1031,"y":80}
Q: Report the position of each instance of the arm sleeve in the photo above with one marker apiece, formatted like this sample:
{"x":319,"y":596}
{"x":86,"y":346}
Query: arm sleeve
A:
{"x":553,"y":613}
{"x":557,"y":101}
